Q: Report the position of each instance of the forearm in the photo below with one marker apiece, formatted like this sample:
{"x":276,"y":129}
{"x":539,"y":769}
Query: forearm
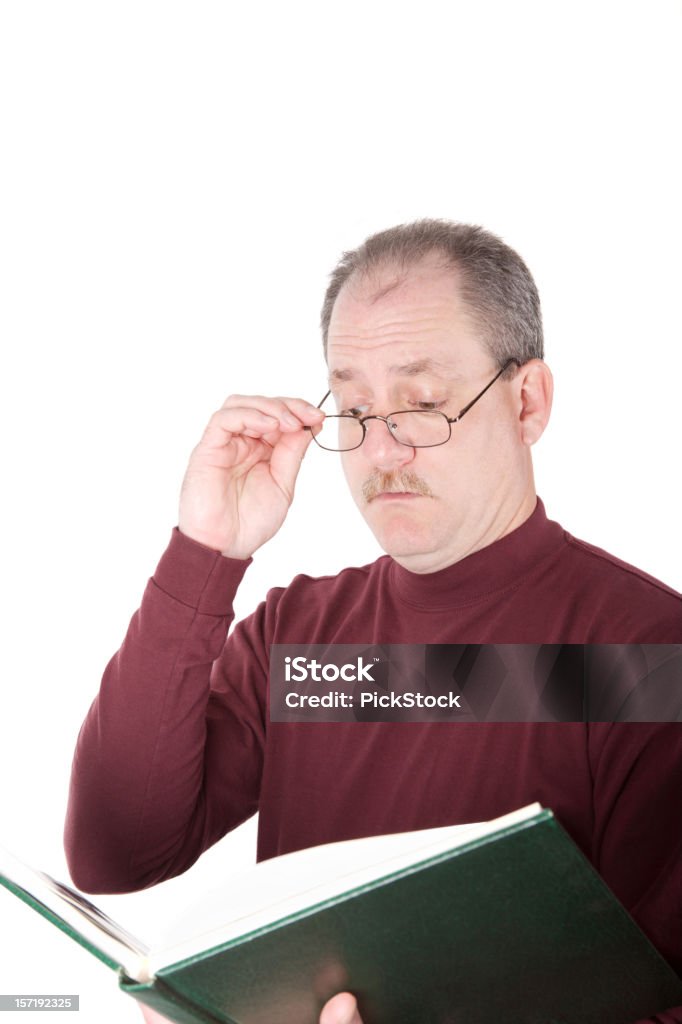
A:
{"x":137,"y":810}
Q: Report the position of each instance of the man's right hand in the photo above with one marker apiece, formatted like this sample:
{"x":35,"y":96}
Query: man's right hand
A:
{"x":240,"y":479}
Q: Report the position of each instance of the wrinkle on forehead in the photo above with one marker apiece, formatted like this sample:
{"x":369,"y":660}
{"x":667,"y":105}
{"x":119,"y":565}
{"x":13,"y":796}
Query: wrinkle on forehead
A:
{"x":349,"y":331}
{"x":422,"y":331}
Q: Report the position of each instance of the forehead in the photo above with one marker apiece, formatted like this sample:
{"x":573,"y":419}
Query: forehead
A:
{"x":414,"y":319}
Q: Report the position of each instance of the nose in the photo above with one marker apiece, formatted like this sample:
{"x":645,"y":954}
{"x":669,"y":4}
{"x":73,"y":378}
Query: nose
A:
{"x":381,"y":449}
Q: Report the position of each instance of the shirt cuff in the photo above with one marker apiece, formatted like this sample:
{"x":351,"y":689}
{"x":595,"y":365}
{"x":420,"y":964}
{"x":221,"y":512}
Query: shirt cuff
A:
{"x":198,"y":576}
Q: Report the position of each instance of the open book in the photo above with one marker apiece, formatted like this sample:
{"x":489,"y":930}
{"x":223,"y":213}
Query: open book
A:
{"x":504,"y":917}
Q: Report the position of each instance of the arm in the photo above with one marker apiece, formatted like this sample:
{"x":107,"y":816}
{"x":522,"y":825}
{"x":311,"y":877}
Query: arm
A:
{"x":157,"y":776}
{"x":142,"y":806}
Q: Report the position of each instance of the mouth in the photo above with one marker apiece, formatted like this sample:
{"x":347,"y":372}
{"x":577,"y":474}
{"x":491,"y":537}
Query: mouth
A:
{"x":391,"y":496}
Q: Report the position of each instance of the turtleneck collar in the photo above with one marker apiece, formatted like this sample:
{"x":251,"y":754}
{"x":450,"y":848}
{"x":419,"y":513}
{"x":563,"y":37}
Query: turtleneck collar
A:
{"x":495,"y":568}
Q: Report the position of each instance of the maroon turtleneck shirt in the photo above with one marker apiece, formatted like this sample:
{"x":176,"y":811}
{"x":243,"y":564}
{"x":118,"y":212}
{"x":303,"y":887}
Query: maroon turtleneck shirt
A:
{"x":177,"y":748}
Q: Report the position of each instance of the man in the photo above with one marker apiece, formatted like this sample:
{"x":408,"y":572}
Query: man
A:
{"x":434,"y":343}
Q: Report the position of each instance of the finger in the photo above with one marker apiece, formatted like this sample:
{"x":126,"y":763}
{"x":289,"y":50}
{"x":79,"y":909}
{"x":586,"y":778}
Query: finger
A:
{"x":304,"y":410}
{"x":246,"y":421}
{"x":341,"y":1009}
{"x":286,"y":458}
{"x":294,"y":412}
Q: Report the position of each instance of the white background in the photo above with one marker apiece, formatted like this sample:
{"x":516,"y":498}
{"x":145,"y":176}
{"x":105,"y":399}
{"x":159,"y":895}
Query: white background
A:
{"x":177,"y":181}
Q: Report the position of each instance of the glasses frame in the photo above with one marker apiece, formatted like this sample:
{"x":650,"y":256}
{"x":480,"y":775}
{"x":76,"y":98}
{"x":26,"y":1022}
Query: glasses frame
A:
{"x":427,"y":412}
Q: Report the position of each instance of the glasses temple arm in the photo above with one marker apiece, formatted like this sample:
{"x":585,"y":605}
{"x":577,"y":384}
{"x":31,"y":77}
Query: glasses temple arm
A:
{"x":481,"y":393}
{"x":319,"y":406}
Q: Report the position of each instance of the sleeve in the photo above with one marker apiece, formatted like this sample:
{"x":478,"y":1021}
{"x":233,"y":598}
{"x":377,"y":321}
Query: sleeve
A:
{"x":637,"y":845}
{"x":164,"y":763}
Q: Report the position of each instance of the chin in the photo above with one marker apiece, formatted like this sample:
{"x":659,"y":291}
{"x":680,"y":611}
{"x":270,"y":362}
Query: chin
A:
{"x":401,"y":536}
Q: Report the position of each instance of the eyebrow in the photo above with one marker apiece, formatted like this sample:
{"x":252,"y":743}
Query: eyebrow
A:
{"x":413,"y":369}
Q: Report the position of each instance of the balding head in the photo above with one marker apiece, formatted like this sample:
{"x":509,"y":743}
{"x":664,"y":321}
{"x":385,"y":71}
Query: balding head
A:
{"x":492,"y":282}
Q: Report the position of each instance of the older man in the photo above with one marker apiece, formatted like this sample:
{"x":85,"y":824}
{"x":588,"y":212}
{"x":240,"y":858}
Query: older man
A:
{"x":434,"y":344}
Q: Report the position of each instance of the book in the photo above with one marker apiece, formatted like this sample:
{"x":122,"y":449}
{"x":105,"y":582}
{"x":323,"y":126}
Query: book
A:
{"x":502,"y":920}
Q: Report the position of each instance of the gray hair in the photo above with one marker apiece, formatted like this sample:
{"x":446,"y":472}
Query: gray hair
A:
{"x":495,"y":283}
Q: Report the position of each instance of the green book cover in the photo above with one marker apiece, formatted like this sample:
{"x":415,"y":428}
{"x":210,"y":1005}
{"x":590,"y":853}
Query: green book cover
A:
{"x":504,"y":920}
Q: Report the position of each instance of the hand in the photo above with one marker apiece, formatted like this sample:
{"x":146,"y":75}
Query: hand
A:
{"x":240,"y":479}
{"x":341,"y":1009}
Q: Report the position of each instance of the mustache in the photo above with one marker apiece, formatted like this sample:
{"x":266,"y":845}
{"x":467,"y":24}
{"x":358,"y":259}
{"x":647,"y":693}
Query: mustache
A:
{"x":394,"y":483}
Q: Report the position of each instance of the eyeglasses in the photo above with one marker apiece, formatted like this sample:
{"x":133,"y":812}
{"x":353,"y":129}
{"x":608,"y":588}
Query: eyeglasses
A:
{"x":415,"y":428}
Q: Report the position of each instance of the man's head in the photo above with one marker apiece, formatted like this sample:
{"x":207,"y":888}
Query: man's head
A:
{"x":423,"y":316}
{"x":493,"y":281}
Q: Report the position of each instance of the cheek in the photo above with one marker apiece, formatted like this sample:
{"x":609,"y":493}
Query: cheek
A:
{"x":461,"y":466}
{"x":486,"y":439}
{"x":352,"y":469}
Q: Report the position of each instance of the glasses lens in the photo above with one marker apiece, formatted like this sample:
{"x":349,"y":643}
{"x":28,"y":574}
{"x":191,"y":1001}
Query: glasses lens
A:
{"x":339,"y":433}
{"x":419,"y":429}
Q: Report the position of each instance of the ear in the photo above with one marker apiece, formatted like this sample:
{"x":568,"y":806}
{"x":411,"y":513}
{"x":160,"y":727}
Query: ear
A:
{"x":536,"y":387}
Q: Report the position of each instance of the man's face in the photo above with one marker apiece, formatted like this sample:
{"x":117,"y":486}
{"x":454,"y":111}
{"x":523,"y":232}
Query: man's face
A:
{"x":416,"y":348}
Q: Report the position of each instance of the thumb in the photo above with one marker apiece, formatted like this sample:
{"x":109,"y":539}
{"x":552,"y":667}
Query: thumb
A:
{"x":341,"y":1009}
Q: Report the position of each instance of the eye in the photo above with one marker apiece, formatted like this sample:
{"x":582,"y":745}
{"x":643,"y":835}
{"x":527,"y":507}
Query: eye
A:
{"x":357,"y":411}
{"x":428,"y":406}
